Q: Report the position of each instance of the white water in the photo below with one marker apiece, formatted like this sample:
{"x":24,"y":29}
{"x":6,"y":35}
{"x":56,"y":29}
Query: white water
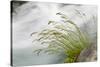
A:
{"x":34,"y":16}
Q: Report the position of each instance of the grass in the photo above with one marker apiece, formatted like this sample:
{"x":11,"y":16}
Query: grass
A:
{"x":64,"y":36}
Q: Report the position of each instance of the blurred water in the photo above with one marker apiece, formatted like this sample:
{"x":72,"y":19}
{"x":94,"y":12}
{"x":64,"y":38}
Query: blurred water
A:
{"x":33,"y":16}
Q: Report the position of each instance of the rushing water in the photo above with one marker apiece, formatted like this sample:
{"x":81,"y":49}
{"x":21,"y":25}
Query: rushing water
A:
{"x":33,"y":16}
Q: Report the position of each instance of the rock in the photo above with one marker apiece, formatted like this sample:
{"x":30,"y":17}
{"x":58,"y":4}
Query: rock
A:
{"x":88,"y":54}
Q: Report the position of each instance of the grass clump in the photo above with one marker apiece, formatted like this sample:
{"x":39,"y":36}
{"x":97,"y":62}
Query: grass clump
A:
{"x":64,"y":36}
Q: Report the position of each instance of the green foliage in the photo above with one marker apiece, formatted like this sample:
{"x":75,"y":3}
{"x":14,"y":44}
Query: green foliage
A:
{"x":64,"y":37}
